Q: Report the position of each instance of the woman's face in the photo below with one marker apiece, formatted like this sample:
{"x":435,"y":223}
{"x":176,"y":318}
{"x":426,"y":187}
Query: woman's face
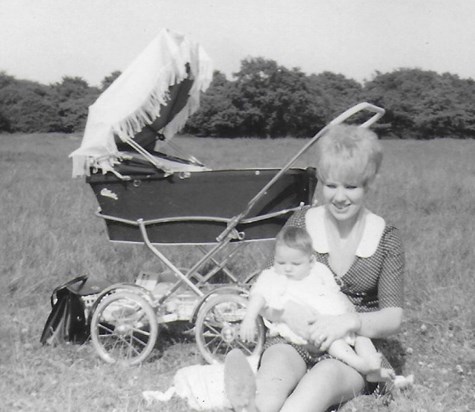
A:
{"x":343,"y":199}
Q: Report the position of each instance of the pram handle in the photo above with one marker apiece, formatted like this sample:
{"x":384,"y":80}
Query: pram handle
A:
{"x":378,"y":113}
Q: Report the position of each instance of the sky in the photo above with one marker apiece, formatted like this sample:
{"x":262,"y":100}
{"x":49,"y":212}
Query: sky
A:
{"x":44,"y":40}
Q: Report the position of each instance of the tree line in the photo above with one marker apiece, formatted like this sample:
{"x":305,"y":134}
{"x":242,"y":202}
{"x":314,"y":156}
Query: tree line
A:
{"x":29,"y":107}
{"x":265,"y":99}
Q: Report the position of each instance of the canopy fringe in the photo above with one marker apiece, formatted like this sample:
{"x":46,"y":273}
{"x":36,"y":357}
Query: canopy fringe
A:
{"x":113,"y":114}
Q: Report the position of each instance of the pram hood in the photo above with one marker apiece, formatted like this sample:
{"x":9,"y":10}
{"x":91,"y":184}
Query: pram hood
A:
{"x":161,"y":87}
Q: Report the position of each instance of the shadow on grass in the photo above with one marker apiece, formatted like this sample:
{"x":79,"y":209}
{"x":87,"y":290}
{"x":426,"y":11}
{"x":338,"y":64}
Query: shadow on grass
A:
{"x":394,"y":352}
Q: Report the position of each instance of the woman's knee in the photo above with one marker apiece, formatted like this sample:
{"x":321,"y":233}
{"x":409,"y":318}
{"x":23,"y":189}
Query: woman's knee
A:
{"x":282,"y":361}
{"x":281,"y":370}
{"x":328,"y":383}
{"x":337,"y":374}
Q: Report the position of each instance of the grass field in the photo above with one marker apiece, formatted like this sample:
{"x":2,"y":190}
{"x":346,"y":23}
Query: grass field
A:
{"x":50,"y":234}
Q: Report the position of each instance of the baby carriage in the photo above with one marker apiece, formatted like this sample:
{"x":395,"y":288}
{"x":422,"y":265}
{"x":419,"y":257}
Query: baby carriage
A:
{"x":144,"y":197}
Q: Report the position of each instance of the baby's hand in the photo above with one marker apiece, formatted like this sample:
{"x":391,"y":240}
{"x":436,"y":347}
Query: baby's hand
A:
{"x":248,"y":329}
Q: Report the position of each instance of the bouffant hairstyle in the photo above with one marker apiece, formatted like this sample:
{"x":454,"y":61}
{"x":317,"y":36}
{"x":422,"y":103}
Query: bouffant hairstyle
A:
{"x":351,"y":153}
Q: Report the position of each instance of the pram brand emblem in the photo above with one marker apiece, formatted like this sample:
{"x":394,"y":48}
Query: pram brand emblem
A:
{"x":109,"y":193}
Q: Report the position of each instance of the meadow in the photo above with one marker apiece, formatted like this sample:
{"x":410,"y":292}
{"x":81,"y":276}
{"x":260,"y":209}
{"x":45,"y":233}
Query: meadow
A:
{"x":50,"y":235}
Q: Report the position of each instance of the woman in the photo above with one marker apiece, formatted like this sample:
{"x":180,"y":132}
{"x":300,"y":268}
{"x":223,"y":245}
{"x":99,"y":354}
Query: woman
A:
{"x":366,"y":257}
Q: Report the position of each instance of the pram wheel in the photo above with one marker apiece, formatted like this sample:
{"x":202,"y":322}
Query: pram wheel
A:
{"x":124,"y":328}
{"x":217,"y":328}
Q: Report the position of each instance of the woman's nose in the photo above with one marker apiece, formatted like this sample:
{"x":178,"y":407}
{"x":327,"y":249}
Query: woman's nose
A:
{"x":340,"y":194}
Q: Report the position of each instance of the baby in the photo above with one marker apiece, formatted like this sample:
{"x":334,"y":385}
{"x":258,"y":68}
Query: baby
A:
{"x":296,"y":277}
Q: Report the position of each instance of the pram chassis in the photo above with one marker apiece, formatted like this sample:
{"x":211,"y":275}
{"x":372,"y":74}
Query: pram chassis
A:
{"x":217,"y":310}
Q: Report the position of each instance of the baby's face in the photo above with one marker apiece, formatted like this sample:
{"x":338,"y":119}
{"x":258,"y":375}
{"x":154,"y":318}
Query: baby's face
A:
{"x":292,"y":263}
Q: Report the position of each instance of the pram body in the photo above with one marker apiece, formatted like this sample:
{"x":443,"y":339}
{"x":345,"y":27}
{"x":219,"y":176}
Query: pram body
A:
{"x":195,"y":207}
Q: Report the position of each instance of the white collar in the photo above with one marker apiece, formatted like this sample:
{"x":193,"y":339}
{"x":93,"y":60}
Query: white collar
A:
{"x":372,"y":232}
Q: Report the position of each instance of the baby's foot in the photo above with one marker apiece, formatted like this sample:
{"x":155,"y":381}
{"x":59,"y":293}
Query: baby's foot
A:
{"x":381,"y":375}
{"x":377,"y":373}
{"x":403,"y":382}
{"x":239,"y":382}
{"x":374,"y":362}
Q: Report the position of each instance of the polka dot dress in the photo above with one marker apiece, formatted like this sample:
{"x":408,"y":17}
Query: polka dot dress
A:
{"x":373,"y":282}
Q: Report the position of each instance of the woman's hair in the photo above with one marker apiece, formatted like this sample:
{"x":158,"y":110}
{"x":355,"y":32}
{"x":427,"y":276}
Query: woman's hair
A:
{"x":295,"y":238}
{"x":349,"y":152}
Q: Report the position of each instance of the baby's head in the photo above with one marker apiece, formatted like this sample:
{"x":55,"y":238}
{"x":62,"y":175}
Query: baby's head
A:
{"x":293,"y":253}
{"x":349,"y":153}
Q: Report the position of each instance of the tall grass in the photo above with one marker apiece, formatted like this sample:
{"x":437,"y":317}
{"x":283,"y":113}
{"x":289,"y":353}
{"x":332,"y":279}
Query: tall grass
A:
{"x":49,"y":235}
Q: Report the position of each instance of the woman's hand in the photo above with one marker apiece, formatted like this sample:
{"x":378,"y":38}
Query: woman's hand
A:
{"x":325,"y":329}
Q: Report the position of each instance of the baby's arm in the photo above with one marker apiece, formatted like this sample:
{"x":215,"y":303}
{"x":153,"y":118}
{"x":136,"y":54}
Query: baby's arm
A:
{"x":248,"y":326}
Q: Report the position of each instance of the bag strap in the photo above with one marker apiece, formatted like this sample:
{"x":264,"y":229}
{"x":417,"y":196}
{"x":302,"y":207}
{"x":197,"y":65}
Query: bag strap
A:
{"x":54,"y":298}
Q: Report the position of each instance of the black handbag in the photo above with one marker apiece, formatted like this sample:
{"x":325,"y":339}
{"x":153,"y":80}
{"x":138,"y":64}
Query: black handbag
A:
{"x":69,"y":317}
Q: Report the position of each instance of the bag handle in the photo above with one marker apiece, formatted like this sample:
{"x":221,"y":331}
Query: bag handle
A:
{"x":54,"y":297}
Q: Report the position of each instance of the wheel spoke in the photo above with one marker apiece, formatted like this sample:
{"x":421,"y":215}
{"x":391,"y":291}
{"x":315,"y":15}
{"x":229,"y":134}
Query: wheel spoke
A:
{"x":137,"y":340}
{"x":120,"y":344}
{"x":216,"y":331}
{"x":211,"y":341}
{"x":141,"y":331}
{"x":209,"y":334}
{"x":244,"y":347}
{"x":132,"y":348}
{"x":102,"y":326}
{"x":217,"y":347}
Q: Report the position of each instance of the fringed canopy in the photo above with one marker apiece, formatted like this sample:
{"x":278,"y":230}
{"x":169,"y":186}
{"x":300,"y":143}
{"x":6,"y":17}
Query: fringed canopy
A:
{"x":139,"y":96}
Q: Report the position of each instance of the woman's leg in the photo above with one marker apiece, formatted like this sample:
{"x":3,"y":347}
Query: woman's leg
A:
{"x":329,"y":382}
{"x":280,"y":371}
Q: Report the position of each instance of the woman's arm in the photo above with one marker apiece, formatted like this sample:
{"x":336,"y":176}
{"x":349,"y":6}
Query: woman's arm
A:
{"x":383,"y":322}
{"x":380,"y":324}
{"x":325,"y":329}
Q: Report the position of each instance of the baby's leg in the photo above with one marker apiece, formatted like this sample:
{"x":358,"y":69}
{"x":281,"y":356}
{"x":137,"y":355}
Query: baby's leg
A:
{"x":344,"y":352}
{"x":364,"y":347}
